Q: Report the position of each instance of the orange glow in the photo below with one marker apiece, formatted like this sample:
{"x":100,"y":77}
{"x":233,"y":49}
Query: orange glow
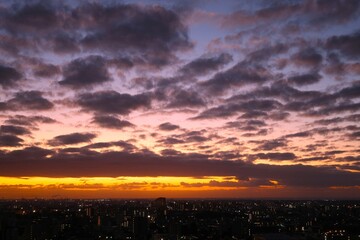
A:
{"x":132,"y":184}
{"x":151,"y":187}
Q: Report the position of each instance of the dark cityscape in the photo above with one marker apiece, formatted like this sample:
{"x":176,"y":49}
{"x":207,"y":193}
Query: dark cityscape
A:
{"x":173,"y":219}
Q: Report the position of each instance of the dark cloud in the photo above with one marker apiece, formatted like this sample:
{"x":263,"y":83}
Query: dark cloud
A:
{"x":15,"y":130}
{"x":46,"y":70}
{"x":254,"y":114}
{"x":84,"y":72}
{"x":266,"y":53}
{"x":7,"y":140}
{"x":150,"y":35}
{"x":114,"y":164}
{"x":305,"y":79}
{"x":170,"y":152}
{"x":349,"y":92}
{"x":355,"y":135}
{"x":29,"y":120}
{"x":125,"y":145}
{"x":334,"y":152}
{"x":28,"y":100}
{"x":31,"y":153}
{"x":335,"y":120}
{"x":196,"y":138}
{"x":339,"y":108}
{"x":202,"y":66}
{"x":168,"y":126}
{"x":36,"y":17}
{"x":111,"y":122}
{"x":65,"y":43}
{"x":152,"y":32}
{"x":231,"y":109}
{"x":180,"y":98}
{"x":333,"y":11}
{"x":171,"y":141}
{"x":353,"y":118}
{"x":318,"y":13}
{"x":329,"y":121}
{"x":261,"y":132}
{"x":239,"y":75}
{"x":187,"y":137}
{"x":348,"y":45}
{"x":268,"y":145}
{"x":269,"y":14}
{"x":300,"y":134}
{"x":113,"y":102}
{"x":278,"y":90}
{"x":308,"y":57}
{"x":72,"y":138}
{"x":276,"y":156}
{"x":9,"y":76}
{"x":280,"y":115}
{"x":249,"y":125}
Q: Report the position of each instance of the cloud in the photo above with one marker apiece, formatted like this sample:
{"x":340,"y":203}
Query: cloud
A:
{"x":282,"y":65}
{"x":125,"y":145}
{"x":339,"y":108}
{"x":85,"y":72}
{"x":65,"y":43}
{"x":239,"y":75}
{"x":348,"y":45}
{"x":72,"y":138}
{"x":312,"y":14}
{"x":28,"y":120}
{"x":278,"y":90}
{"x":28,"y":100}
{"x":276,"y":156}
{"x":32,"y":153}
{"x":354,"y":135}
{"x":305,"y":79}
{"x":202,"y":66}
{"x":267,"y":145}
{"x":248,"y":125}
{"x":180,"y":98}
{"x":187,"y":137}
{"x":111,"y":122}
{"x":125,"y":30}
{"x":171,"y":141}
{"x":113,"y":102}
{"x":265,"y":53}
{"x":231,"y":109}
{"x":349,"y":118}
{"x":333,"y":11}
{"x":254,"y":114}
{"x":15,"y":130}
{"x":308,"y":57}
{"x":169,"y":152}
{"x":269,"y":14}
{"x":36,"y":17}
{"x":349,"y":92}
{"x":114,"y":164}
{"x":7,"y":140}
{"x":46,"y":70}
{"x":152,"y":32}
{"x":299,"y":134}
{"x":9,"y":76}
{"x":168,"y":126}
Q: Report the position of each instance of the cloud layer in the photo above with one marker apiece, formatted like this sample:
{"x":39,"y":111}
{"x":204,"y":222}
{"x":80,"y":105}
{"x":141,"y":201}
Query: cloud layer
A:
{"x":263,"y":93}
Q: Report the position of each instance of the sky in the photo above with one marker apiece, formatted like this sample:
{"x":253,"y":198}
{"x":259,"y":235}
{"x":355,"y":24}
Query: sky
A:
{"x":181,"y":99}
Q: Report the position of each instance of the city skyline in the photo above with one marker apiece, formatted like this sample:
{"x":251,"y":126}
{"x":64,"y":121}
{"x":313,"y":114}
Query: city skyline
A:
{"x":183,"y":99}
